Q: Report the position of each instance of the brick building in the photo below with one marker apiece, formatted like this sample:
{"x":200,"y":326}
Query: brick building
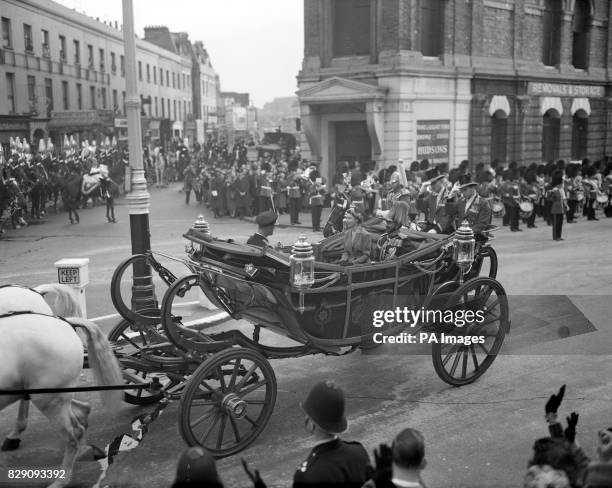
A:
{"x":446,"y":80}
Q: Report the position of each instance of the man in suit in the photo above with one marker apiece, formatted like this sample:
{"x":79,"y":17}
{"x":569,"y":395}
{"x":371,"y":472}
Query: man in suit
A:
{"x":265,"y":222}
{"x":471,"y":206}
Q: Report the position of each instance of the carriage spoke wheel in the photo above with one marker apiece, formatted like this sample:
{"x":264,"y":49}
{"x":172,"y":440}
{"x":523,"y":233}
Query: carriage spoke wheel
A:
{"x":461,"y":361}
{"x":135,"y":343}
{"x":228,"y":401}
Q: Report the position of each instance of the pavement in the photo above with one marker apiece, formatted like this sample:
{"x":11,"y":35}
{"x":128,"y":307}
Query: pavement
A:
{"x":478,"y":435}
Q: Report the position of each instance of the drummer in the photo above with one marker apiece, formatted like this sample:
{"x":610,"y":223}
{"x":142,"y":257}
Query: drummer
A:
{"x":471,"y":206}
{"x":265,"y":222}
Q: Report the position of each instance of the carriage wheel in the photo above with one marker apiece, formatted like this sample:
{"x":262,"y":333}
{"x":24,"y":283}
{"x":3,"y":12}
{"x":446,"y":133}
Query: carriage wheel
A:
{"x":459,"y":363}
{"x":121,"y":289}
{"x":132,"y":343}
{"x":228,"y":401}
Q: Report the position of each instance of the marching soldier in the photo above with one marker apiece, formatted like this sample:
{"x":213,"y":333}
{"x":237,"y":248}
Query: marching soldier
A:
{"x":510,"y":193}
{"x":316,"y":191}
{"x":265,"y":222}
{"x":295,"y":194}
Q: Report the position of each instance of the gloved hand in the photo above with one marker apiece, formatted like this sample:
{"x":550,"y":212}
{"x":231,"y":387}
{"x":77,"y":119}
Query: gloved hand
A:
{"x":253,"y":475}
{"x":383,"y":456}
{"x":570,"y":432}
{"x":553,"y":403}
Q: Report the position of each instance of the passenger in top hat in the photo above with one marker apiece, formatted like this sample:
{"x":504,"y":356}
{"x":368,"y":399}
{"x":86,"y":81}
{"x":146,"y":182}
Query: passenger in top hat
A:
{"x":332,"y":460}
{"x":265,"y":222}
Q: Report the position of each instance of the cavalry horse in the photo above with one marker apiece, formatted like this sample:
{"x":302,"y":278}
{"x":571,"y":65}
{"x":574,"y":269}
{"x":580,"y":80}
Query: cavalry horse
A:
{"x":43,"y":351}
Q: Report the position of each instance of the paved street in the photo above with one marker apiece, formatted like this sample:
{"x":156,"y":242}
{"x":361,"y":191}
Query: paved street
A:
{"x":478,"y":436}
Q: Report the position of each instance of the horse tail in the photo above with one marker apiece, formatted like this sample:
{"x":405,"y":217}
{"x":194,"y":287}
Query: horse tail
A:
{"x":66,"y":302}
{"x":102,"y":361}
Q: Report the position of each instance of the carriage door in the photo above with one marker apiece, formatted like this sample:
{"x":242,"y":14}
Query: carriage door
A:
{"x":352,"y":143}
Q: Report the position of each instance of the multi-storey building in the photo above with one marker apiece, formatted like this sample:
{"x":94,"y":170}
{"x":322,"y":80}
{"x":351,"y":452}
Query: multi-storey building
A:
{"x":205,"y":89}
{"x":447,"y":80}
{"x":237,"y":117}
{"x":62,"y":72}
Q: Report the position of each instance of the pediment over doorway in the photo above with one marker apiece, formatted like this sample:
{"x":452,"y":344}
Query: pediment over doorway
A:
{"x":336,"y":89}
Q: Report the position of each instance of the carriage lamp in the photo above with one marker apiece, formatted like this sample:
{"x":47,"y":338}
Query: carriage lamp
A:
{"x":203,"y":228}
{"x":302,"y":267}
{"x":463,"y":246}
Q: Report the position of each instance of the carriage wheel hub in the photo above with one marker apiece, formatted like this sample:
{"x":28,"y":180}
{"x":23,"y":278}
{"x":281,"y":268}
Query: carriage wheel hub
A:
{"x":234,"y":405}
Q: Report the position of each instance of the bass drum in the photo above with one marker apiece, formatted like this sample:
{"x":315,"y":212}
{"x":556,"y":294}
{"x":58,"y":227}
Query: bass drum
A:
{"x":525,"y":209}
{"x":498,"y":209}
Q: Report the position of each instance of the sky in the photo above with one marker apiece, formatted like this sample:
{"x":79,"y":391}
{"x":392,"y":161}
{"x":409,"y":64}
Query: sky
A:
{"x":256,"y":46}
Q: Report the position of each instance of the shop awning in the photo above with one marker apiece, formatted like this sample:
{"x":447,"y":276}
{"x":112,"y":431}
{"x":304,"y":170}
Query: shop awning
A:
{"x":499,"y":102}
{"x":581,"y":104}
{"x":547,"y":103}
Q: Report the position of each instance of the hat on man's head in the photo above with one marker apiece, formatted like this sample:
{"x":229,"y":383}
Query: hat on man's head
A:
{"x":437,"y":178}
{"x":266,"y":218}
{"x":325,"y":406}
{"x":465,"y":181}
{"x":197,"y":465}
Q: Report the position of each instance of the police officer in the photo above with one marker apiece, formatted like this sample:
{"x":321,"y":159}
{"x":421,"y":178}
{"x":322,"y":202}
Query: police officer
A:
{"x":332,"y":460}
{"x":265,"y":221}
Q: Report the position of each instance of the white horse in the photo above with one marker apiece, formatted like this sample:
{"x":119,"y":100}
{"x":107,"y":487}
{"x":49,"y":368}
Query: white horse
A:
{"x":51,"y":356}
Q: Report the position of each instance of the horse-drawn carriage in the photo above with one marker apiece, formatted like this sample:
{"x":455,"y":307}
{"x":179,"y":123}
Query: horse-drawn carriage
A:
{"x":222,"y":374}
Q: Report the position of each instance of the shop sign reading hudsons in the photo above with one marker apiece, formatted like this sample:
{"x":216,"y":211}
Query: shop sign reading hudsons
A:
{"x":433,"y":138}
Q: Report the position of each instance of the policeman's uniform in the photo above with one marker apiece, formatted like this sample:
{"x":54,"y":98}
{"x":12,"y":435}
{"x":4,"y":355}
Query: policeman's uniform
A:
{"x":334,"y":462}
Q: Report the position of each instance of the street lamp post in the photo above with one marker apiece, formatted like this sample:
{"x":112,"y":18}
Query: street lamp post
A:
{"x":138,"y":198}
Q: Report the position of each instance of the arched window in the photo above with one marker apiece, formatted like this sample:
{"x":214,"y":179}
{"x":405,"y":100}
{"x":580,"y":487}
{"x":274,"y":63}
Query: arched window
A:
{"x":551,"y":130}
{"x":551,"y":32}
{"x":580,"y":133}
{"x":432,"y":27}
{"x":580,"y":39}
{"x":499,"y":136}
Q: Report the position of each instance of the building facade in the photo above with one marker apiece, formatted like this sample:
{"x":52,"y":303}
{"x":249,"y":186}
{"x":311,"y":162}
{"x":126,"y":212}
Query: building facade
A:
{"x":447,"y":80}
{"x":62,"y":73}
{"x":205,"y":89}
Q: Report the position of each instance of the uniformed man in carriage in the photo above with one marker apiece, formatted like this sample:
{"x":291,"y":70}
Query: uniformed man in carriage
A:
{"x":265,"y":222}
{"x":434,"y":200}
{"x":471,"y":206}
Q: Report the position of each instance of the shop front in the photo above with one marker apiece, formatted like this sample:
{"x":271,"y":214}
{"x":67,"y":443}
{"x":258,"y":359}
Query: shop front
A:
{"x":12,"y":126}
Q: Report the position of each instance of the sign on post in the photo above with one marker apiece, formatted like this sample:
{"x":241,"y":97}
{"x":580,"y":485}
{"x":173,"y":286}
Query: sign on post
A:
{"x":433,"y":139}
{"x":75,"y":273}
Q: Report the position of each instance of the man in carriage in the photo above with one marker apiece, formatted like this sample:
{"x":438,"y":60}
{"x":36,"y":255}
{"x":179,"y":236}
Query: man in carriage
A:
{"x":434,"y":201}
{"x":471,"y":206}
{"x":265,"y":222}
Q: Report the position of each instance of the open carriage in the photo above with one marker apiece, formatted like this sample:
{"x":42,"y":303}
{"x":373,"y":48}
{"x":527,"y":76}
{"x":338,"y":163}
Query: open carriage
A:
{"x":226,"y":385}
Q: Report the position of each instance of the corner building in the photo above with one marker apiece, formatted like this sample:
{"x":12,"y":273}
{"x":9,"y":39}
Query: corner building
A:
{"x":447,"y":80}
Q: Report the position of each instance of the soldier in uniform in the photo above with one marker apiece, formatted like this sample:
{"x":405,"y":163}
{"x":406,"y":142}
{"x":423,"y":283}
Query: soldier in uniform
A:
{"x":472,"y":207}
{"x":265,"y":222}
{"x":433,"y":202}
{"x":316,"y":192}
{"x":510,"y":193}
{"x":242,"y":193}
{"x":332,"y":460}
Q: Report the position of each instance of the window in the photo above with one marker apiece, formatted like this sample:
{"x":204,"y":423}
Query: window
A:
{"x":62,"y":53}
{"x":79,"y":93}
{"x":31,"y":93}
{"x":163,"y":109}
{"x":122,"y":61}
{"x":551,"y":32}
{"x":140,"y":70}
{"x":169,"y":113}
{"x":580,"y":37}
{"x":123,"y":102}
{"x":551,"y":128}
{"x":77,"y":52}
{"x":92,"y":97}
{"x":580,"y":131}
{"x":90,"y":59}
{"x":180,"y":117}
{"x":102,"y":63}
{"x":432,"y":27}
{"x":156,"y":113}
{"x":113,"y":63}
{"x":173,"y":79}
{"x":351,"y":27}
{"x":10,"y":91}
{"x":184,"y":81}
{"x":7,"y":39}
{"x":49,"y":95}
{"x":154,"y":75}
{"x":185,"y":109}
{"x":27,"y":38}
{"x":65,"y":96}
{"x":499,"y":136}
{"x":103,"y":95}
{"x":148,"y":73}
{"x":46,"y":48}
{"x":161,"y":77}
{"x":115,"y":101}
{"x":168,"y":80}
{"x":174,"y":108}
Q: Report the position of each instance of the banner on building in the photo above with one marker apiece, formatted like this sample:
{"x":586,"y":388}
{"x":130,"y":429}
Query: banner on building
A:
{"x":563,"y":90}
{"x":433,"y":139}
